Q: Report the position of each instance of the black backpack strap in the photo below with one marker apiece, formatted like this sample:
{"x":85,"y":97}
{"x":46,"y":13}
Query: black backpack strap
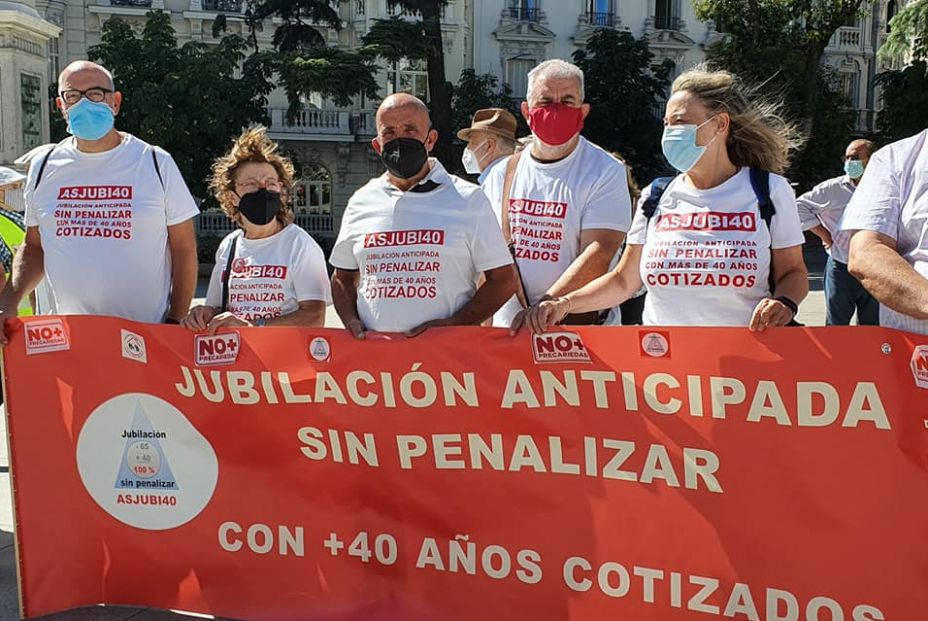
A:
{"x":154,"y":159}
{"x":228,"y":273}
{"x":760,"y":183}
{"x":38,"y":175}
{"x":658,"y":186}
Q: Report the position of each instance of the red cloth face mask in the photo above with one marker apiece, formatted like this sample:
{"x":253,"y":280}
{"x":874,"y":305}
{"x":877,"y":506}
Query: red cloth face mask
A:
{"x":555,"y":124}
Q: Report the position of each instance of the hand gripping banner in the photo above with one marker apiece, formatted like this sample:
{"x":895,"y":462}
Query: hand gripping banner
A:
{"x":597,"y":473}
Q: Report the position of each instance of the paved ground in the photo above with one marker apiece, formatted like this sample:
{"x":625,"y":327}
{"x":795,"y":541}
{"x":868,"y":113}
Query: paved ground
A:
{"x":811,"y":313}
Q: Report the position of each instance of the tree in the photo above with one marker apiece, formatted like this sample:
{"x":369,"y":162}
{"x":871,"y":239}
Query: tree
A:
{"x":780,"y":47}
{"x":190,"y":100}
{"x":623,"y":85}
{"x":905,"y":91}
{"x":477,"y":92}
{"x":396,"y":38}
{"x":304,"y":63}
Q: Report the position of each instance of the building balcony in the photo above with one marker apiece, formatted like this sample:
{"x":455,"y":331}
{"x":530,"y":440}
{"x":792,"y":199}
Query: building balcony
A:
{"x":216,"y":223}
{"x":846,"y":39}
{"x":599,"y":20}
{"x":667,"y":22}
{"x":317,"y":124}
{"x":221,"y":6}
{"x":139,"y":4}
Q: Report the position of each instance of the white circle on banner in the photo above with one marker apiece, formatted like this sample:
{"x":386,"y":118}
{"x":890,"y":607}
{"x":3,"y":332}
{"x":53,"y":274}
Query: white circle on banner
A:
{"x":144,"y":463}
{"x":655,"y":345}
{"x":319,"y":349}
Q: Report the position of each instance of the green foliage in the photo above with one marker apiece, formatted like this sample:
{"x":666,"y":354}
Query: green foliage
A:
{"x":190,"y":100}
{"x":623,"y":86}
{"x":477,"y":92}
{"x":905,"y":102}
{"x":395,"y":38}
{"x":908,"y":33}
{"x":778,"y":47}
{"x":299,"y":17}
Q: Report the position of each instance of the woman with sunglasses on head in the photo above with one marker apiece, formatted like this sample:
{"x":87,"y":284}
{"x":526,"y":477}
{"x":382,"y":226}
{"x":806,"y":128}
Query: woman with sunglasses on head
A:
{"x":270,"y":272}
{"x":720,"y":244}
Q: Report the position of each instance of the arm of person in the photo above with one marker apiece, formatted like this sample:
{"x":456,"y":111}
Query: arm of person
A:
{"x":876,"y":263}
{"x":604,"y":292}
{"x":182,"y":243}
{"x":597,"y":247}
{"x":822,"y":233}
{"x":791,"y":281}
{"x":499,"y":285}
{"x":28,"y":270}
{"x":345,"y":285}
{"x":311,"y":314}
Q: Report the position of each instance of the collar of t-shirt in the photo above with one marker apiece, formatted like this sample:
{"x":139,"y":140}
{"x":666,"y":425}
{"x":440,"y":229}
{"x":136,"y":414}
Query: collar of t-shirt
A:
{"x":433,"y":181}
{"x":564,"y":161}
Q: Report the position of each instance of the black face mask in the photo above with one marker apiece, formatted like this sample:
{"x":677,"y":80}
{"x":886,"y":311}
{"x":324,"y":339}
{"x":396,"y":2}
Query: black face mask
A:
{"x":404,"y":157}
{"x":260,"y":207}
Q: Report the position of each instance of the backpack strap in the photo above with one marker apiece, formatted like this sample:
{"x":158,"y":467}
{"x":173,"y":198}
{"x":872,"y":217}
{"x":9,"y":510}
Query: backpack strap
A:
{"x":658,"y":186}
{"x":760,"y":183}
{"x":154,"y":159}
{"x":38,"y":176}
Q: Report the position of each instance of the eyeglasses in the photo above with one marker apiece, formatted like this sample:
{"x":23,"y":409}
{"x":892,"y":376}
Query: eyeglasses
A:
{"x":253,"y":185}
{"x":95,"y":94}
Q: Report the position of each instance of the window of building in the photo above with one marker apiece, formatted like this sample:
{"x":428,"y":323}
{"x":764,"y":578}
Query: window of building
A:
{"x":847,"y":84}
{"x":601,"y":12}
{"x":409,"y":76}
{"x":517,"y":75}
{"x":313,"y":193}
{"x":53,"y":69}
{"x":891,"y":10}
{"x":525,"y":10}
{"x":665,"y":14}
{"x":31,"y":100}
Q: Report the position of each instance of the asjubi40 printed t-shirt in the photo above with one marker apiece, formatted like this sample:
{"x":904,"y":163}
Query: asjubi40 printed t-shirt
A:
{"x":419,"y":253}
{"x":269,"y":277}
{"x":706,"y":253}
{"x":103,"y":220}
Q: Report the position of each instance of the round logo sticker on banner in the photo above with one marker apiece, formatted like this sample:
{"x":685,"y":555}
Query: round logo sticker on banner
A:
{"x":144,"y":463}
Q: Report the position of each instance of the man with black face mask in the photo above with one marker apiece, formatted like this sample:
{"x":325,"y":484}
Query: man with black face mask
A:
{"x":414,"y":241}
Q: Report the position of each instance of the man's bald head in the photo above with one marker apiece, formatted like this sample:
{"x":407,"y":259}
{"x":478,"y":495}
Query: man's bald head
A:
{"x":84,"y":70}
{"x":404,"y":116}
{"x":862,"y":147}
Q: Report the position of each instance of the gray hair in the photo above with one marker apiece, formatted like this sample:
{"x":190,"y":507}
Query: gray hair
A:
{"x":554,"y":68}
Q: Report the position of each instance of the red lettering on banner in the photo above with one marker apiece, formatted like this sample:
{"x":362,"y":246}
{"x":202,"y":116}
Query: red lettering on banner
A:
{"x":707,"y":221}
{"x":540,"y":209}
{"x":95,"y":192}
{"x":431,"y":237}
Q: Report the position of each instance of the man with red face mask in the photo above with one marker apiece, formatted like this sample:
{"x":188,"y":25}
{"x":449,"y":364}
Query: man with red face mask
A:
{"x":563,"y":203}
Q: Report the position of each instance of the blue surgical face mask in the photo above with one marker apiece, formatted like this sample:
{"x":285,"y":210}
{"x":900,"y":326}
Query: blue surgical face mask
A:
{"x":854,"y":169}
{"x":679,"y":145}
{"x":89,"y":120}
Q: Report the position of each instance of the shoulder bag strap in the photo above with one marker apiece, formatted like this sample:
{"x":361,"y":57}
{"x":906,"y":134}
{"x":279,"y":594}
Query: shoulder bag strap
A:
{"x":228,"y":273}
{"x":511,"y":167}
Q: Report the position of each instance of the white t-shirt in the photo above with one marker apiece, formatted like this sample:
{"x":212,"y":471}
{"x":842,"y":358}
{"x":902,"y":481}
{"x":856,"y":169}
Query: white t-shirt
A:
{"x":706,"y":255}
{"x":419,"y":253}
{"x":549,"y":205}
{"x":103,"y":220}
{"x":270,"y":276}
{"x":892,"y":199}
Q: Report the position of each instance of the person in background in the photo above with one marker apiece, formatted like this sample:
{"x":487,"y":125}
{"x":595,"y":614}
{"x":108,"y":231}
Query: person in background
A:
{"x":820,"y":211}
{"x":490,"y":138}
{"x":886,"y":228}
{"x":708,"y":249}
{"x":270,"y":272}
{"x":629,"y":312}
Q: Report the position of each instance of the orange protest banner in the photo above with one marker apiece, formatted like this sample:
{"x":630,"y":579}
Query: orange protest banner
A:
{"x":588,"y":474}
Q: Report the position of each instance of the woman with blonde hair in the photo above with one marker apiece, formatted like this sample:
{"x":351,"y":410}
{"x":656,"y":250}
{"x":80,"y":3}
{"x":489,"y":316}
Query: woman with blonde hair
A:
{"x":270,"y":272}
{"x":720,"y":244}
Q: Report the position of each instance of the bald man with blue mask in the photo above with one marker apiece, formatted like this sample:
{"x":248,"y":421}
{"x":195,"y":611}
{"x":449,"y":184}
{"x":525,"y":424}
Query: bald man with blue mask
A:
{"x":820,"y":211}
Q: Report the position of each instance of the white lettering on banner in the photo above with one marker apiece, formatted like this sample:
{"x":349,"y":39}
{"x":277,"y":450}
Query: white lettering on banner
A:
{"x":261,"y":539}
{"x":818,"y":404}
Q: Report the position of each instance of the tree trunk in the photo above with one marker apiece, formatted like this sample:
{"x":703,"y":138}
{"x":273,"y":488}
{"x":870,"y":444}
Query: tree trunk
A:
{"x":439,"y":93}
